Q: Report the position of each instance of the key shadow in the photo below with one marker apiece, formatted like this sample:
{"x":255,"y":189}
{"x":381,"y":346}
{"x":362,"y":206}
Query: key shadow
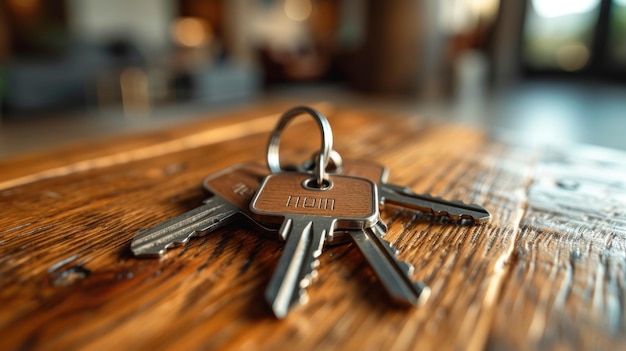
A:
{"x":355,"y":270}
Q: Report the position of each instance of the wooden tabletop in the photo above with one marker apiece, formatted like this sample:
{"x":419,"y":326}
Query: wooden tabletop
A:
{"x":547,"y":272}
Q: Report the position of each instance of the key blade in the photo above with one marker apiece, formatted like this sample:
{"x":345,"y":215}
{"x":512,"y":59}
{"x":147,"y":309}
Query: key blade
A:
{"x":177,"y":231}
{"x":394,"y":274}
{"x":297,"y":266}
{"x":455,"y":210}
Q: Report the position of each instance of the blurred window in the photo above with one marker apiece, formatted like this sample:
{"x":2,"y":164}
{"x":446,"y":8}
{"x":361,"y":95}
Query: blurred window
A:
{"x":575,"y":38}
{"x":558,"y":35}
{"x":617,"y":34}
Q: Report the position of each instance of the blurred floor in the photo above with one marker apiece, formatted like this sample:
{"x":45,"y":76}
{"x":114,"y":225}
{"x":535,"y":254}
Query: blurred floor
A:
{"x":543,"y":112}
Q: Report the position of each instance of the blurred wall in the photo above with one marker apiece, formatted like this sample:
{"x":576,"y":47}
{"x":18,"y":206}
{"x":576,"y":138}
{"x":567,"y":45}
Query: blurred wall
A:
{"x":4,"y":39}
{"x":146,"y":22}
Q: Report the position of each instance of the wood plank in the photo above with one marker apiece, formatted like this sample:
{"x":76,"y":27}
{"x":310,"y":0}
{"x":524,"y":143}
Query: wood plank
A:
{"x":70,"y":281}
{"x":108,"y":151}
{"x":566,"y":278}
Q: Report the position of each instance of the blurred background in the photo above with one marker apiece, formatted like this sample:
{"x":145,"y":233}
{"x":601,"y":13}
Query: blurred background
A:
{"x":74,"y":69}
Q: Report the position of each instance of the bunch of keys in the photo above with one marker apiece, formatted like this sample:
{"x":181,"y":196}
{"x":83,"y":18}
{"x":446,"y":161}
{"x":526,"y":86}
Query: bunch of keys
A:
{"x":309,"y":207}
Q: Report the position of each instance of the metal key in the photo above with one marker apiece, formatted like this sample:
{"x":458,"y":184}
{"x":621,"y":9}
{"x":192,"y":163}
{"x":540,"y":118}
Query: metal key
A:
{"x":405,"y":197}
{"x":394,"y":274}
{"x":308,"y":213}
{"x":232,"y":190}
{"x":455,"y":210}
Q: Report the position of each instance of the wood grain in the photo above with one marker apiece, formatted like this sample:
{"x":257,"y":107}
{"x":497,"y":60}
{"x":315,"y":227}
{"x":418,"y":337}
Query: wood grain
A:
{"x":109,"y":151}
{"x":547,"y":272}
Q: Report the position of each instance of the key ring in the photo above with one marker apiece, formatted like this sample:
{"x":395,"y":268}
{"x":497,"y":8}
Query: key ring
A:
{"x":273,"y":157}
{"x":334,"y":166}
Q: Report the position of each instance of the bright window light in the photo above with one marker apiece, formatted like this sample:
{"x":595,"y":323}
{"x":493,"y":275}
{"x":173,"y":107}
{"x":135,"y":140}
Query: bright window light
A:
{"x":552,"y":8}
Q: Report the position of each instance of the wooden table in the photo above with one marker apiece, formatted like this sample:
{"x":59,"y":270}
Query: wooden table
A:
{"x":548,"y":272}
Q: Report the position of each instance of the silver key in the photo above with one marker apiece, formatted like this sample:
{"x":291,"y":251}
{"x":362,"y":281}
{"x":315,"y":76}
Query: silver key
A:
{"x":455,"y":210}
{"x":232,"y":190}
{"x":308,"y":214}
{"x":395,"y":275}
{"x":405,"y":197}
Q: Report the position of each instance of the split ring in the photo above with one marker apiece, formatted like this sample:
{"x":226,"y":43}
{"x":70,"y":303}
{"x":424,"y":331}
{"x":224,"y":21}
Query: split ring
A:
{"x":273,"y":157}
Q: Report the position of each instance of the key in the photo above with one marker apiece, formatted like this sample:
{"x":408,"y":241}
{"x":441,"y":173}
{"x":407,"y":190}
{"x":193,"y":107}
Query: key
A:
{"x":405,"y":197}
{"x":232,"y":190}
{"x":394,"y":274}
{"x":455,"y":210}
{"x":307,"y":215}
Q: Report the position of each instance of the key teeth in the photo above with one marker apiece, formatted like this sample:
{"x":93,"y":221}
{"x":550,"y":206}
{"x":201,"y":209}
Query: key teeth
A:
{"x":141,"y":249}
{"x":424,"y":293}
{"x":461,"y":216}
{"x":412,"y":293}
{"x":391,"y":249}
{"x":477,"y":214}
{"x":138,"y":251}
{"x":381,"y":228}
{"x":394,"y":251}
{"x":406,"y":267}
{"x":311,"y":276}
{"x":177,"y":231}
{"x":303,"y":297}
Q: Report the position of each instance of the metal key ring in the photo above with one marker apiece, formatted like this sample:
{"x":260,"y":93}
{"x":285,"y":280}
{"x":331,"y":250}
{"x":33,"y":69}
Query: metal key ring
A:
{"x":273,"y":157}
{"x":334,"y":166}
